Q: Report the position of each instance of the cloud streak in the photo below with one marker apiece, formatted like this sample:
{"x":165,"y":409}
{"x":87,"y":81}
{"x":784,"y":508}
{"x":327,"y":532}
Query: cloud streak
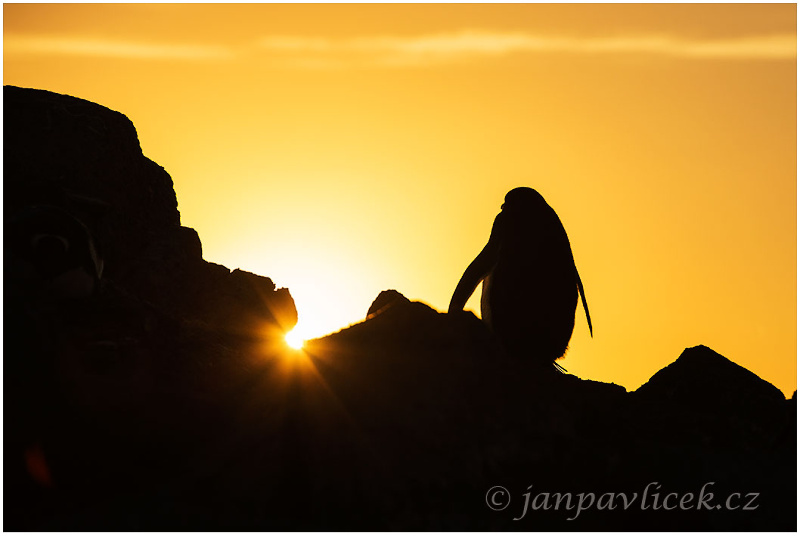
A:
{"x":110,"y":48}
{"x":420,"y":50}
{"x":471,"y":44}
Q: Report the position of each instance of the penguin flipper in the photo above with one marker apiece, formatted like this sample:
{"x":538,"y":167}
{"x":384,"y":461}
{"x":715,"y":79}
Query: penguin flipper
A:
{"x":583,"y":299}
{"x":478,"y":269}
{"x":473,"y":275}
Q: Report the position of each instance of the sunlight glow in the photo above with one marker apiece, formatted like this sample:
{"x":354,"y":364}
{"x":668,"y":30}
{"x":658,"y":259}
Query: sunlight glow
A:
{"x":328,"y":299}
{"x":295,"y":339}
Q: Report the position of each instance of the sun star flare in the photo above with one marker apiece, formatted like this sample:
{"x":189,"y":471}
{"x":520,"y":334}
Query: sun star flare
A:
{"x":295,"y":340}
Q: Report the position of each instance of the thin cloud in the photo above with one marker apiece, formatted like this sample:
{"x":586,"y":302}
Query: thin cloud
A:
{"x":471,"y":44}
{"x":109,"y":48}
{"x":432,"y":49}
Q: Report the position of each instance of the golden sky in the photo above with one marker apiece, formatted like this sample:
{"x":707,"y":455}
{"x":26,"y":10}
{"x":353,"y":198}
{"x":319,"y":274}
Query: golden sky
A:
{"x":346,"y":149}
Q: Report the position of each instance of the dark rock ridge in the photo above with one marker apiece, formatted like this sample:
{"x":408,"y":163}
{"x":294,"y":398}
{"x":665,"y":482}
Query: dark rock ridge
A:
{"x":159,"y":401}
{"x":732,"y":388}
{"x":706,"y":392}
{"x":76,"y":155}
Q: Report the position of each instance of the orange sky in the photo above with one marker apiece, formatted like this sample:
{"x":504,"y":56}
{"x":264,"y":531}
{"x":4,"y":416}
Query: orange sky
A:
{"x":346,"y":149}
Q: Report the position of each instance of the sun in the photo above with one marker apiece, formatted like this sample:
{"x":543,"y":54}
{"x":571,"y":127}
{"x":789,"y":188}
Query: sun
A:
{"x":294,"y":339}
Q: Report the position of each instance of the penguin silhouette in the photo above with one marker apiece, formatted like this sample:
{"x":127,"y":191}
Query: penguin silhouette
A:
{"x":530,"y":282}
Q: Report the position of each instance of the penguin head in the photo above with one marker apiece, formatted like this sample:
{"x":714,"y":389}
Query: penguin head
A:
{"x":529,"y":222}
{"x":522,"y":200}
{"x":525,"y":207}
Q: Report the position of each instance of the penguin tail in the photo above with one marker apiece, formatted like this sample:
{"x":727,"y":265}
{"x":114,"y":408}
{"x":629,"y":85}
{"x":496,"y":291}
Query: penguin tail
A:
{"x":585,"y":305}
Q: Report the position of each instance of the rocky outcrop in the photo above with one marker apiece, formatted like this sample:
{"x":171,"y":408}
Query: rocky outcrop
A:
{"x":74,"y":154}
{"x":385,"y":299}
{"x":704,"y":397}
{"x":85,"y":159}
{"x":704,"y":380}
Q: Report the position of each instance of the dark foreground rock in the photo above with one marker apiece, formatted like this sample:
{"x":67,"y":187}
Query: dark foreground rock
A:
{"x":163,"y":398}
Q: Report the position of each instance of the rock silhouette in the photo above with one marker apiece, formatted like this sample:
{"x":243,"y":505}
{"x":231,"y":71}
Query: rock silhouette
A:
{"x":166,"y":400}
{"x":86,"y":161}
{"x":530,"y":282}
{"x":386,"y":299}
